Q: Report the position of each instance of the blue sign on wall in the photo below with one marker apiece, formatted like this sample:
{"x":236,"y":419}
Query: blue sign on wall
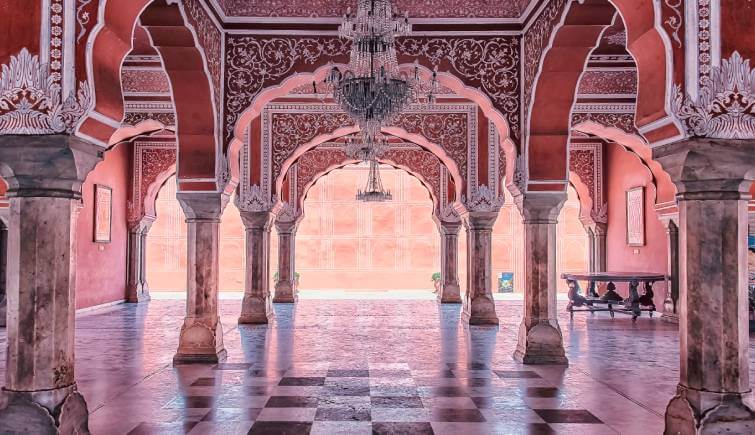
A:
{"x":506,"y":282}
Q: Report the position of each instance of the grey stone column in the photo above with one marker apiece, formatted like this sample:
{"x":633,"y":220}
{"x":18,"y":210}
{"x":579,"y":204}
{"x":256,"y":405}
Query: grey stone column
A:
{"x":600,"y":230}
{"x":256,"y":308}
{"x":671,"y":301}
{"x":138,"y":290}
{"x":479,"y":307}
{"x":285,"y":286}
{"x":201,"y":338}
{"x":713,"y":178}
{"x":450,"y":292}
{"x":44,"y":175}
{"x":540,"y":339}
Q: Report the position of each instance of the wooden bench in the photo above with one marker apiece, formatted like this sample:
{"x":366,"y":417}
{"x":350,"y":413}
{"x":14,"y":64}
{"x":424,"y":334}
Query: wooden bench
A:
{"x":611,"y":301}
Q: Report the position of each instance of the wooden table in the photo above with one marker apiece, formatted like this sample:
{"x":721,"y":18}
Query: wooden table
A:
{"x":611,"y":301}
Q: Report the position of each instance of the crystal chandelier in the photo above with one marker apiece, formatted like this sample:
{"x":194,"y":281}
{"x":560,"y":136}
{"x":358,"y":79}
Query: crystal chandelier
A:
{"x":373,"y":90}
{"x":374,"y":191}
{"x":365,"y":150}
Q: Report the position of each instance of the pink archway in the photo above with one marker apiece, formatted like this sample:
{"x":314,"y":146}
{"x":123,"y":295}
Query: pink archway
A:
{"x":305,"y":78}
{"x":555,"y":90}
{"x":185,"y":66}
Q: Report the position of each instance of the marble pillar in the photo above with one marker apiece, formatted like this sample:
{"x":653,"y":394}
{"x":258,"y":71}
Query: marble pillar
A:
{"x":138,"y":290}
{"x":449,"y":292}
{"x":599,"y":251}
{"x":44,"y":176}
{"x":540,"y":339}
{"x":671,"y":301}
{"x":201,"y":339}
{"x":713,"y":178}
{"x":479,"y":307}
{"x":285,"y":285}
{"x":256,"y":308}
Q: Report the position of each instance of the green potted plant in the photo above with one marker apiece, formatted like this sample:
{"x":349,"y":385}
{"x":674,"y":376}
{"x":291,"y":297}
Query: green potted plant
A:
{"x":436,"y":281}
{"x":276,"y":276}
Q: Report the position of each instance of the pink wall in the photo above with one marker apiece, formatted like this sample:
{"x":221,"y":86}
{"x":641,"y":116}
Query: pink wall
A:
{"x":101,"y":271}
{"x":623,"y":170}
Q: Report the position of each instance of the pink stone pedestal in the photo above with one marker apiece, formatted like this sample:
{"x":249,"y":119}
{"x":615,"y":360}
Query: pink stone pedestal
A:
{"x":479,"y":307}
{"x":713,"y":178}
{"x":44,"y":176}
{"x":450,"y":292}
{"x":201,"y":339}
{"x":285,"y":286}
{"x":540,"y":339}
{"x":256,"y":308}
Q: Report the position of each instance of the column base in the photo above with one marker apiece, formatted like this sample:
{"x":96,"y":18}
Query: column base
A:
{"x":29,"y":412}
{"x":480,"y":311}
{"x":284,"y":293}
{"x":704,"y":412}
{"x":256,"y":311}
{"x":200,"y":344}
{"x":541,"y":344}
{"x":449,"y":294}
{"x":138,"y":294}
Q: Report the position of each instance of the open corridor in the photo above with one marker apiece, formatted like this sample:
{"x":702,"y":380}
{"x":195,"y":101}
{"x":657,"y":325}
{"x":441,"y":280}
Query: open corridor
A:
{"x":377,"y":366}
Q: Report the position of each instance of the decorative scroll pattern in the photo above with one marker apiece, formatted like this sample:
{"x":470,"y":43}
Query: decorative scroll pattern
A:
{"x":254,"y":63}
{"x":82,"y":18}
{"x":489,"y":64}
{"x":167,"y":119}
{"x":674,"y":19}
{"x":535,"y":41}
{"x":586,"y":160}
{"x":725,"y":107}
{"x":608,"y":82}
{"x":30,"y":98}
{"x":336,"y":8}
{"x":144,"y":81}
{"x":151,"y":158}
{"x":287,"y":127}
{"x":210,"y":40}
{"x":622,"y":121}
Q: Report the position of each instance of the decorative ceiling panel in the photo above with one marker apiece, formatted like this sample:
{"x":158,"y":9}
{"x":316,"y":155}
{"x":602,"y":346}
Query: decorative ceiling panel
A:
{"x":336,"y":8}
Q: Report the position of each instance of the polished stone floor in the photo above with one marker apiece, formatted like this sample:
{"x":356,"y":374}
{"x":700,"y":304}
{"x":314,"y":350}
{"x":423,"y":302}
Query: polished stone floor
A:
{"x":390,"y":366}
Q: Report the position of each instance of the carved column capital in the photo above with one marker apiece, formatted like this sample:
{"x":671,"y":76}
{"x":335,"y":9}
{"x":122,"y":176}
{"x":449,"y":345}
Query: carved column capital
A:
{"x":540,"y":207}
{"x":203,"y":206}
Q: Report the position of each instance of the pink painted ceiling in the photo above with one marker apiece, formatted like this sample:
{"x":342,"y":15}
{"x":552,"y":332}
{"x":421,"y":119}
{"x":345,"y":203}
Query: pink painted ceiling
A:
{"x":336,"y":8}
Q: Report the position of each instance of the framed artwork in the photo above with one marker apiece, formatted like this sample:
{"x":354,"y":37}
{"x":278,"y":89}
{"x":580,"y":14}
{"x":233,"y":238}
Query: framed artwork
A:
{"x":103,"y":213}
{"x":636,"y":216}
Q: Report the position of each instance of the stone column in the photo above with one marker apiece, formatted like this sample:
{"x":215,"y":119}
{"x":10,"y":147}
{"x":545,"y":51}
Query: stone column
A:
{"x":137,"y":290}
{"x":479,"y":307}
{"x":256,"y":307}
{"x":540,"y":339}
{"x":201,"y":338}
{"x":3,"y":272}
{"x":713,"y":178}
{"x":600,"y":230}
{"x":44,"y":175}
{"x":450,"y":292}
{"x":285,"y":286}
{"x":671,"y":301}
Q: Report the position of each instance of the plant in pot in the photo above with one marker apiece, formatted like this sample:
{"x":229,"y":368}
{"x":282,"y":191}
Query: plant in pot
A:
{"x":276,"y":276}
{"x":436,"y":281}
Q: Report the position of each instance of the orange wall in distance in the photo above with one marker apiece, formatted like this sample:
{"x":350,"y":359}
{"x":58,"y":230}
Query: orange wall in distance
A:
{"x":101,"y":267}
{"x":346,"y":244}
{"x":625,"y":171}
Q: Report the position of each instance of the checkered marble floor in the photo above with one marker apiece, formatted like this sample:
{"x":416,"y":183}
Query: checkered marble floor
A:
{"x":384,"y":367}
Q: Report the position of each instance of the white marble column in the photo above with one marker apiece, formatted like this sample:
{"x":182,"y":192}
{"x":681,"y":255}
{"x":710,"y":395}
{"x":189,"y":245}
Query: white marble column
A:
{"x":479,"y":307}
{"x":285,"y":286}
{"x":201,"y":338}
{"x":44,"y":175}
{"x":540,"y":339}
{"x":138,"y":290}
{"x":713,"y":178}
{"x":256,"y":308}
{"x":450,"y":292}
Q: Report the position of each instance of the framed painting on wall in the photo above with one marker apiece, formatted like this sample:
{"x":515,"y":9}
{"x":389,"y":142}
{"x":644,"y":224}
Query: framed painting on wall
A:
{"x":103,"y":211}
{"x":636,"y":216}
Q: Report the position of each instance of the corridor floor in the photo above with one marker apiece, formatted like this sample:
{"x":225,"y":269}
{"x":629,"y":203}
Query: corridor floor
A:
{"x":378,"y":366}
